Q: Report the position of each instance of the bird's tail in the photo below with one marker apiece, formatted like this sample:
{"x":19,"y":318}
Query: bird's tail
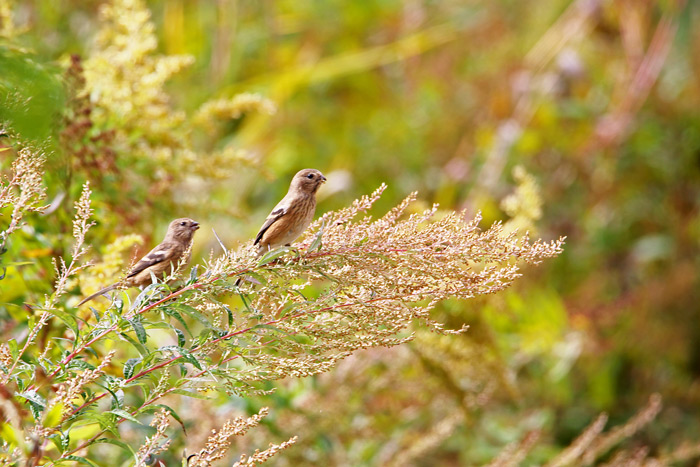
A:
{"x":98,"y":293}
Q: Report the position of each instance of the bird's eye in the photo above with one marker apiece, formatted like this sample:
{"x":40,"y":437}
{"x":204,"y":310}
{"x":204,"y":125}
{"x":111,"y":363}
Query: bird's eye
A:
{"x":183,"y":223}
{"x":310,"y":176}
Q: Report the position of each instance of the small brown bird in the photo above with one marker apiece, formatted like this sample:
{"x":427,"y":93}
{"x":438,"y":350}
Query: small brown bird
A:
{"x":161,"y":260}
{"x":293,"y":214}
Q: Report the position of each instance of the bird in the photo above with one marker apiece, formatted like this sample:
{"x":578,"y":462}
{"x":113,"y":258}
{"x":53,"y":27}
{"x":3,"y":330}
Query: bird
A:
{"x":161,"y":260}
{"x":293,"y":214}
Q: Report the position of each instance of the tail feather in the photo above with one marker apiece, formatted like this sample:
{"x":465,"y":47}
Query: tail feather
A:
{"x":98,"y":293}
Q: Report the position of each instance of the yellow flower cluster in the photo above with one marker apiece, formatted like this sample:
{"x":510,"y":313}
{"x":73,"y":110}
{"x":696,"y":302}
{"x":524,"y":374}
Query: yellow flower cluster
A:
{"x":222,"y":109}
{"x":7,"y":24}
{"x":524,"y":206}
{"x":125,"y":79}
{"x":124,"y":76}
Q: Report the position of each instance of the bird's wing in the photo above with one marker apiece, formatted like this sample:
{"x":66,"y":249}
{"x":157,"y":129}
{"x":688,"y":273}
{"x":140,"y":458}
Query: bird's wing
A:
{"x":162,"y":252}
{"x":276,"y":214}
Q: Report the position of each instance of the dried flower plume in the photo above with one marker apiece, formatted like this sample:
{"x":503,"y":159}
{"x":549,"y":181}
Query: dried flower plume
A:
{"x":219,"y":442}
{"x":158,"y":442}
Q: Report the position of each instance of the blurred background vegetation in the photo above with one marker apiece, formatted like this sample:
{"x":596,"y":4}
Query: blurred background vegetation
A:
{"x":576,"y":118}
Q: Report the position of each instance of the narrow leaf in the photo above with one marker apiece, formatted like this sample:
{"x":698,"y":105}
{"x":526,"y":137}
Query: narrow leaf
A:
{"x":32,"y":396}
{"x":14,"y":350}
{"x":53,"y":416}
{"x":125,"y":415}
{"x":145,"y":293}
{"x":193,"y":394}
{"x":139,"y":329}
{"x":316,"y":244}
{"x":81,"y":460}
{"x":129,"y":367}
{"x":68,"y":319}
{"x":194,"y":313}
{"x":171,"y":312}
{"x":180,"y":337}
{"x":118,"y":443}
{"x":189,"y":358}
{"x":185,"y":354}
{"x":230,"y":315}
{"x":193,"y":275}
{"x":137,"y":345}
{"x":270,"y":256}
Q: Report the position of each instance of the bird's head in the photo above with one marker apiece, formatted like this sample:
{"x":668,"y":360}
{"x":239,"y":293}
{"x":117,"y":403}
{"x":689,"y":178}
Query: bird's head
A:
{"x":182,"y":229}
{"x":308,"y":180}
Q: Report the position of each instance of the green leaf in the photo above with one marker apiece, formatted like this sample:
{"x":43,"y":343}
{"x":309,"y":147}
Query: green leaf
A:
{"x":119,"y":306}
{"x":189,"y":358}
{"x":17,"y":263}
{"x":194,"y":313}
{"x":323,"y":274}
{"x":193,"y":394}
{"x":96,"y":314}
{"x":159,"y":325}
{"x":286,"y":309}
{"x":14,"y":437}
{"x":316,"y":244}
{"x":14,"y":350}
{"x":39,"y":95}
{"x":105,"y":421}
{"x":116,"y":400}
{"x":92,"y":352}
{"x":185,"y":354}
{"x":33,"y":397}
{"x":181,"y":341}
{"x":53,"y":416}
{"x":137,"y":345}
{"x":193,"y":275}
{"x":82,"y":460}
{"x":246,"y":303}
{"x":68,"y":319}
{"x":270,"y":256}
{"x":139,"y":329}
{"x":81,"y":364}
{"x":145,"y":293}
{"x":60,"y":440}
{"x":125,"y":415}
{"x":129,"y":367}
{"x":118,"y":443}
{"x":171,"y":312}
{"x":36,"y":410}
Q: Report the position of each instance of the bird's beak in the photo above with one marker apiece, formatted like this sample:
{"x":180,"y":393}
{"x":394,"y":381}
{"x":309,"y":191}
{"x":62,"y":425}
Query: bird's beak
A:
{"x":195,"y":225}
{"x":323,"y":179}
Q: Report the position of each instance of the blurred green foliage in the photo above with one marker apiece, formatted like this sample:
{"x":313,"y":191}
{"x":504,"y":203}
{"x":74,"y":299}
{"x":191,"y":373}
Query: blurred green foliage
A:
{"x":445,"y":98}
{"x":33,"y":109}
